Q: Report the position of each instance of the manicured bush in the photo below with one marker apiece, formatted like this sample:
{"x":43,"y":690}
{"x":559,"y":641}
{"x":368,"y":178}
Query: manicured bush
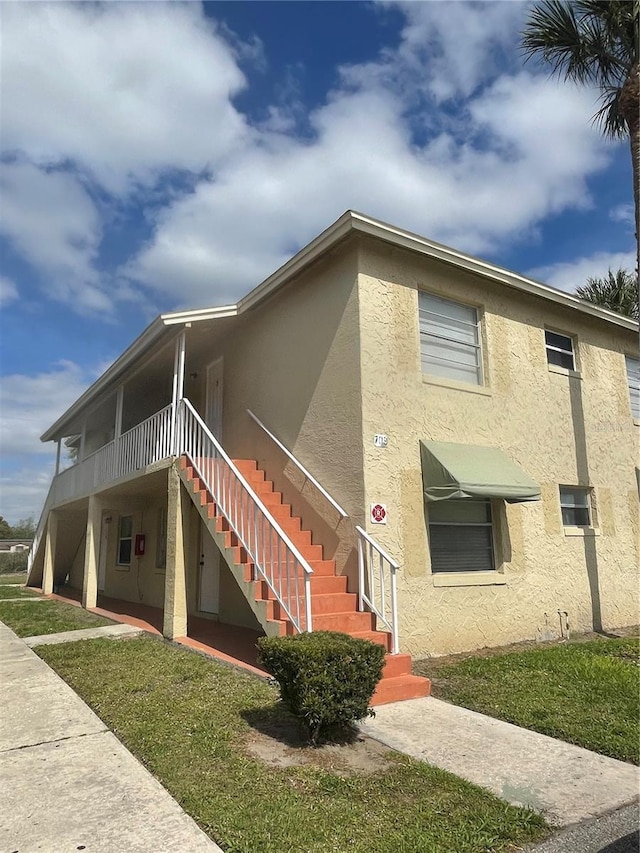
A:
{"x":326,"y":678}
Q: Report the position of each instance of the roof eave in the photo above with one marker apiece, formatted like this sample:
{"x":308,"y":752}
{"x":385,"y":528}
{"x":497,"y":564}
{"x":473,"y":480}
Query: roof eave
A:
{"x":141,"y":344}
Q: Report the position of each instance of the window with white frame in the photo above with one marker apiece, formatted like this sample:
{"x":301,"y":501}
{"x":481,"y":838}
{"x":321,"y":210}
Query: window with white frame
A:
{"x":161,"y":543}
{"x":559,"y":350}
{"x":125,"y":537}
{"x":449,"y":339}
{"x":575,"y":505}
{"x":461,"y":536}
{"x":633,"y":378}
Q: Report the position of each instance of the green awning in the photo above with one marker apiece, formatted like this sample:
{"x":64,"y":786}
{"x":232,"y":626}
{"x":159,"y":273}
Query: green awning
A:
{"x":467,"y":471}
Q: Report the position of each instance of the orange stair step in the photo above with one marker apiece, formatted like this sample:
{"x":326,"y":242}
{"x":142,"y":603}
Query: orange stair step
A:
{"x":400,"y":688}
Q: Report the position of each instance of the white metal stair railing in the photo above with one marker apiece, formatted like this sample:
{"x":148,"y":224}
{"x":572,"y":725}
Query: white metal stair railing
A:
{"x":274,"y":556}
{"x":373,"y":565}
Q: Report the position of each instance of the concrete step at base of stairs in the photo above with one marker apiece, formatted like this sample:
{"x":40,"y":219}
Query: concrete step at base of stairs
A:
{"x":399,"y":688}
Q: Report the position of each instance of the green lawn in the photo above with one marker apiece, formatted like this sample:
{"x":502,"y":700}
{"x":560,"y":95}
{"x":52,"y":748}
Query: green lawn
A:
{"x":587,"y":693}
{"x":191,"y":720}
{"x":33,"y":618}
{"x":14,"y":590}
{"x":20,"y":577}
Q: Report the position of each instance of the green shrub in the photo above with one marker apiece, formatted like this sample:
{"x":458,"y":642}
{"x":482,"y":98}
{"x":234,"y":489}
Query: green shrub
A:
{"x":12,"y":562}
{"x":326,"y":679}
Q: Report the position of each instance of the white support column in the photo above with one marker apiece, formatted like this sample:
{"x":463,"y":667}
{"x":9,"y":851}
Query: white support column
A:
{"x":117,"y":431}
{"x":58,"y":456}
{"x":48,"y":569}
{"x":178,"y":386}
{"x":175,"y":588}
{"x":92,"y":553}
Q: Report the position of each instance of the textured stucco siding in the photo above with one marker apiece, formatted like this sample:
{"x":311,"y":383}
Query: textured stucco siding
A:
{"x":141,"y":581}
{"x":560,"y":429}
{"x":295,"y":363}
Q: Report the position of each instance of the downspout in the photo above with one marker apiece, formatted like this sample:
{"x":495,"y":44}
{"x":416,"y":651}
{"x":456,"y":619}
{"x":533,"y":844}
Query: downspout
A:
{"x":59,"y":442}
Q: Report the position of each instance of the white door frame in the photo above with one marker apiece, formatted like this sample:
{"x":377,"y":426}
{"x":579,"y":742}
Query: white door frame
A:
{"x":214,"y":391}
{"x":102,"y":555}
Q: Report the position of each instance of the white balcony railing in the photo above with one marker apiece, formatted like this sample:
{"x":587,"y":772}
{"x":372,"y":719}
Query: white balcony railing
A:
{"x":145,"y":443}
{"x":276,"y":559}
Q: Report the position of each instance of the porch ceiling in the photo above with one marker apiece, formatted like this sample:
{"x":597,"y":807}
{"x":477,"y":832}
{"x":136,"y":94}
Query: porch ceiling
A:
{"x":151,"y":370}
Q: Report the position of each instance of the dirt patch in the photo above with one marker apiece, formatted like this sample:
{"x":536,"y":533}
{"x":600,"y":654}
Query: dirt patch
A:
{"x":283,"y":744}
{"x":428,"y":666}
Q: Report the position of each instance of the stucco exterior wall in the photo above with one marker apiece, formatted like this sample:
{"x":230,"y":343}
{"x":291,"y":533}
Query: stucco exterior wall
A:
{"x":142,"y":581}
{"x":294,"y":362}
{"x":561,"y":429}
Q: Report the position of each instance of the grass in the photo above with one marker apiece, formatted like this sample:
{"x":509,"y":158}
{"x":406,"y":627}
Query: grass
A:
{"x":189,"y":719}
{"x":19,"y":577}
{"x":33,"y":618}
{"x":586,"y":693}
{"x":16,"y":591}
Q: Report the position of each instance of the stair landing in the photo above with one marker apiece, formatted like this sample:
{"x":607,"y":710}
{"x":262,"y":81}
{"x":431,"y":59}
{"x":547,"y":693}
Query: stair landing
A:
{"x":333,"y":607}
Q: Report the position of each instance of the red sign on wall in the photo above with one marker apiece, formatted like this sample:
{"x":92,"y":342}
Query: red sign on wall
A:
{"x":379,"y":513}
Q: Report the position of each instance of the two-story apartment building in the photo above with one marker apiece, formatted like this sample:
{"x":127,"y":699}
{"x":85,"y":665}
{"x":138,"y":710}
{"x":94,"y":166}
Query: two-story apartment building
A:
{"x":386,"y":435}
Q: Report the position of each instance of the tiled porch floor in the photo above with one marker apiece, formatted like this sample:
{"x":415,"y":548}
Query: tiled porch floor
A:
{"x":229,"y":643}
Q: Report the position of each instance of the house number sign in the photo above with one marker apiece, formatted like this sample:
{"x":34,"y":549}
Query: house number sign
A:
{"x":379,"y":513}
{"x":380,"y":440}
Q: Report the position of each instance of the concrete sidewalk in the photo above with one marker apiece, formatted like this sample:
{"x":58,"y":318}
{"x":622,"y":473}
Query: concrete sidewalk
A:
{"x":67,"y":782}
{"x":565,"y":783}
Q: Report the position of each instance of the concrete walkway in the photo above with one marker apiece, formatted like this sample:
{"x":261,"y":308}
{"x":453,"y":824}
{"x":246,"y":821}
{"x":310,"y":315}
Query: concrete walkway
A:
{"x":564,"y":782}
{"x":69,"y":784}
{"x":83,"y":634}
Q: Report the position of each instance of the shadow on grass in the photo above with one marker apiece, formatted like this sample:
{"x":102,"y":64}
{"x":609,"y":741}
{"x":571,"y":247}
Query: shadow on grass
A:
{"x":276,"y":722}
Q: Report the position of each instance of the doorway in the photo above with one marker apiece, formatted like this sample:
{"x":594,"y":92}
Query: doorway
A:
{"x":209,"y":573}
{"x":213,"y":398}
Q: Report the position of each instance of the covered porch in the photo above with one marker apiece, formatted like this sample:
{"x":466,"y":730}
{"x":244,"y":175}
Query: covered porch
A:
{"x":231,"y":644}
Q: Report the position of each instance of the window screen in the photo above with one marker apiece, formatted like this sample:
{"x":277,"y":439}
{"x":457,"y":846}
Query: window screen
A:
{"x":633,"y":377}
{"x":574,"y":504}
{"x":461,"y":536}
{"x":449,"y":339}
{"x":559,"y":350}
{"x":124,"y":540}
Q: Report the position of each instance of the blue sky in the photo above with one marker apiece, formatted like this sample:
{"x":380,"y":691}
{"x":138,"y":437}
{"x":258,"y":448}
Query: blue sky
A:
{"x":158,"y":156}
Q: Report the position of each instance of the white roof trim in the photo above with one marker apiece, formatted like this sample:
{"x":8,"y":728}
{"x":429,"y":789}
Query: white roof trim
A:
{"x":179,"y":317}
{"x":348,"y":223}
{"x":415,"y":242}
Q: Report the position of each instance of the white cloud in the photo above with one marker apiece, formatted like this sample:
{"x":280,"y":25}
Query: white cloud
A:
{"x":141,"y":88}
{"x":474,"y":194}
{"x":30,"y":404}
{"x":24,"y":491}
{"x":623,"y":213}
{"x":51,"y":220}
{"x":572,"y":274}
{"x":8,"y":290}
{"x":121,"y":89}
{"x":463,"y":43}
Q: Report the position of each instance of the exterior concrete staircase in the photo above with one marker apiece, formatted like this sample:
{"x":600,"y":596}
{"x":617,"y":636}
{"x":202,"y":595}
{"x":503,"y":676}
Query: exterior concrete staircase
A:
{"x":332,"y":606}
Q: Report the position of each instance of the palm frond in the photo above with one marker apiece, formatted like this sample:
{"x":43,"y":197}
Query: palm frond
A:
{"x":616,"y":291}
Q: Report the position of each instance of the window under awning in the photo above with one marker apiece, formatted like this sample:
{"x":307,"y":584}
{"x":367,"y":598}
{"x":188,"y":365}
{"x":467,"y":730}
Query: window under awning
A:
{"x":467,"y":471}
